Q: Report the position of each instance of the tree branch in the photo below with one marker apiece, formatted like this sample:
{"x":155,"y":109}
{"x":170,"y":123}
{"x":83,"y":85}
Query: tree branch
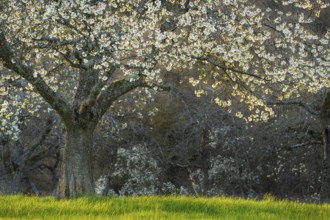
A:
{"x":57,"y":41}
{"x":295,"y":102}
{"x":115,"y":90}
{"x":94,"y":92}
{"x":54,"y":99}
{"x":28,"y":153}
{"x":214,"y":63}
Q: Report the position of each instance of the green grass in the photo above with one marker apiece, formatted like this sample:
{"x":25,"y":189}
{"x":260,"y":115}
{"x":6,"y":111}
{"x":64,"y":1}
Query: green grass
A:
{"x":155,"y":207}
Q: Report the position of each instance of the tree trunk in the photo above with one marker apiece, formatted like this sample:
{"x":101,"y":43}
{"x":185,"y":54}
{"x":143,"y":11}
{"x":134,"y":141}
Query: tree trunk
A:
{"x":76,"y":176}
{"x":325,"y":121}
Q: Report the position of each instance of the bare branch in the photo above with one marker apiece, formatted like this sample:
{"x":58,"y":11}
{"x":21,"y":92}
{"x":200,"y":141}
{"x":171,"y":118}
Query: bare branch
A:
{"x":115,"y":90}
{"x":308,"y":108}
{"x":94,"y":92}
{"x":31,"y":150}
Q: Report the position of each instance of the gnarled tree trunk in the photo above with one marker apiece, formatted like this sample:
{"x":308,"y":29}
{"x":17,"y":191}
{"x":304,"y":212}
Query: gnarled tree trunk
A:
{"x":325,"y":121}
{"x":76,"y":177}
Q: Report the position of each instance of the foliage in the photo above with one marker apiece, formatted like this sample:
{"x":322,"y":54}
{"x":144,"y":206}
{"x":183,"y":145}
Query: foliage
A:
{"x":238,"y":47}
{"x":140,"y":171}
{"x":202,"y":150}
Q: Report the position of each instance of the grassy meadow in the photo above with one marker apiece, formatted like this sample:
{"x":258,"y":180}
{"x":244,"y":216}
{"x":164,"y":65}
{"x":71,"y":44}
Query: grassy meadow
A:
{"x":155,"y":207}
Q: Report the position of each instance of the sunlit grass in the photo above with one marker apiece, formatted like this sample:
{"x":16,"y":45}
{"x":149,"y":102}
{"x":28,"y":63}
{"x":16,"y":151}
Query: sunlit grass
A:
{"x":154,"y":207}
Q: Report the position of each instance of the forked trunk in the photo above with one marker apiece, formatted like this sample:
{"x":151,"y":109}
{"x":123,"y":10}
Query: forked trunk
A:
{"x":76,"y":176}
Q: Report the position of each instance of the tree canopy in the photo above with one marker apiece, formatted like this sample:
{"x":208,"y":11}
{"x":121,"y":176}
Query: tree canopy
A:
{"x":237,"y":45}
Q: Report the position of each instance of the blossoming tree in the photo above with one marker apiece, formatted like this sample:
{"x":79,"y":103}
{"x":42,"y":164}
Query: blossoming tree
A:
{"x":81,"y":56}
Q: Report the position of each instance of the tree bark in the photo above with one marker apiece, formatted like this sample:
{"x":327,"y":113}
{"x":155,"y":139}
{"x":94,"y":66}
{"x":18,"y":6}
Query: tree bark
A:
{"x":76,"y":177}
{"x":325,"y":121}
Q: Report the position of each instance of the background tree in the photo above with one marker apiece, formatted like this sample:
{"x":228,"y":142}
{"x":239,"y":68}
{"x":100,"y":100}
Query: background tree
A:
{"x":107,"y":49}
